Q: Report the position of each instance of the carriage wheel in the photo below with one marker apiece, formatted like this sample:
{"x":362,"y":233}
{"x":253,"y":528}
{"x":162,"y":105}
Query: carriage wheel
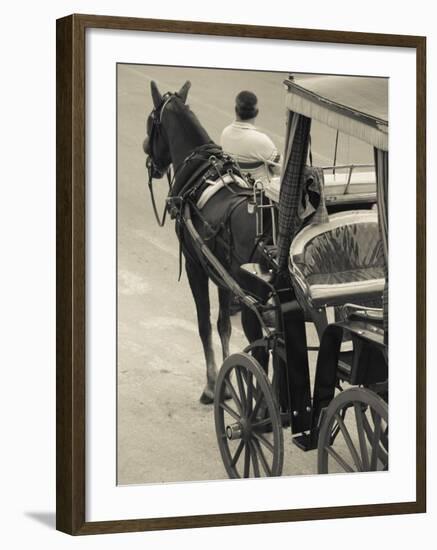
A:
{"x":248,"y":426}
{"x":354,"y":433}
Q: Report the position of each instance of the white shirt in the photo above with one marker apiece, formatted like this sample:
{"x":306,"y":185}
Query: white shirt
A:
{"x":250,"y":147}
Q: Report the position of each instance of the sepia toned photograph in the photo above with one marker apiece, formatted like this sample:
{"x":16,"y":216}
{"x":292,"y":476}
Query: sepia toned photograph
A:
{"x":252,"y":274}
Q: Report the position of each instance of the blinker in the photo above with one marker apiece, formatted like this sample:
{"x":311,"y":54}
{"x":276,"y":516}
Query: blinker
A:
{"x":153,"y":170}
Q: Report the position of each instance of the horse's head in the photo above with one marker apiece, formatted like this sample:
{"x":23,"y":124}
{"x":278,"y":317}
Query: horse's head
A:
{"x":156,"y":145}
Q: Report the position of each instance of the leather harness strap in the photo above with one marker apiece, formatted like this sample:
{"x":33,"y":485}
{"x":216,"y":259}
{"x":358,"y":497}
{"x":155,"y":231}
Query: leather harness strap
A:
{"x":213,"y":162}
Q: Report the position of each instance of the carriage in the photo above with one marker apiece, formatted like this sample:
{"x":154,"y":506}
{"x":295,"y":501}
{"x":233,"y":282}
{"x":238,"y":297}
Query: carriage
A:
{"x":335,"y":268}
{"x":324,"y":268}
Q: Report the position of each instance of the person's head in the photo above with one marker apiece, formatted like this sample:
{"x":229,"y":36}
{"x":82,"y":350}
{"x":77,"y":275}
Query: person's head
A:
{"x":246,"y":105}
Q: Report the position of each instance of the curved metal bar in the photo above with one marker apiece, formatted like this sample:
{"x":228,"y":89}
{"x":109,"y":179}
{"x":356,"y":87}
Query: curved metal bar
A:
{"x":228,"y":280}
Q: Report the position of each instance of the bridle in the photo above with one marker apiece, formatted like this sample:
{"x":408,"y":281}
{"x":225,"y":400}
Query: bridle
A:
{"x":156,"y":116}
{"x":153,"y":170}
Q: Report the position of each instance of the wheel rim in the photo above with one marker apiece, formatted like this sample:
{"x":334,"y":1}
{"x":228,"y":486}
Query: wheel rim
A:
{"x":354,"y":433}
{"x":248,"y":426}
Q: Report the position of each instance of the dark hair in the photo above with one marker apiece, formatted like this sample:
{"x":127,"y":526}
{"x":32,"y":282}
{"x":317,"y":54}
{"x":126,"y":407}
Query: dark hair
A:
{"x":246,"y":105}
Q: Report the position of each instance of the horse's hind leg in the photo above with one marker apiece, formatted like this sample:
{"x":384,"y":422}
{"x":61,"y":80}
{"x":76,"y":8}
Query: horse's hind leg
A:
{"x":199,"y":287}
{"x":224,"y":326}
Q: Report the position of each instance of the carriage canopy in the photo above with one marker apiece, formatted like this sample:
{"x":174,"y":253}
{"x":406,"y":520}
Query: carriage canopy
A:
{"x":339,"y":102}
{"x":356,"y":106}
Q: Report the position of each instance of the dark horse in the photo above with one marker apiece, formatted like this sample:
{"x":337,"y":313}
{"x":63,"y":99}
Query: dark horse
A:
{"x":174,"y":134}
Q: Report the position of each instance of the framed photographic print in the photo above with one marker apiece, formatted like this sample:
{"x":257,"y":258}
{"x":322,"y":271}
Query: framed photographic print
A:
{"x":232,"y":255}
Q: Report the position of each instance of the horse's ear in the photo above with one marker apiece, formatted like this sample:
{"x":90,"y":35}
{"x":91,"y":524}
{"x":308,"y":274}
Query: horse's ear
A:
{"x":183,"y":92}
{"x":156,"y":96}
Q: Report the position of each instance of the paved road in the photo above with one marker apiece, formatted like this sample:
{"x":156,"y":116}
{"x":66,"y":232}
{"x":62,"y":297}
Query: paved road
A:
{"x":164,"y":433}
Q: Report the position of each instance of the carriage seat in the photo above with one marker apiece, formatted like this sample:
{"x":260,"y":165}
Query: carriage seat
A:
{"x":339,"y":261}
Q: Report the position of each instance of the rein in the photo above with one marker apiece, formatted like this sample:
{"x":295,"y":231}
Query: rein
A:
{"x":160,"y":219}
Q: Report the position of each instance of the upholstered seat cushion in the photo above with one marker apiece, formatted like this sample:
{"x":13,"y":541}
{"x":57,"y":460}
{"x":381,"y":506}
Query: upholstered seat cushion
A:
{"x":340,"y":259}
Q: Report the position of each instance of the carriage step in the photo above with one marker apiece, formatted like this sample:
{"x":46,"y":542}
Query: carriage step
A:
{"x":306,"y":441}
{"x":259,"y":272}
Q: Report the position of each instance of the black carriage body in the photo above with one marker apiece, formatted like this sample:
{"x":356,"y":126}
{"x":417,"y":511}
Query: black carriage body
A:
{"x":286,"y":342}
{"x":366,"y":364}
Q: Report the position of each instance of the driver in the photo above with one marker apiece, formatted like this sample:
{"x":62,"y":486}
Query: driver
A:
{"x":253,"y":150}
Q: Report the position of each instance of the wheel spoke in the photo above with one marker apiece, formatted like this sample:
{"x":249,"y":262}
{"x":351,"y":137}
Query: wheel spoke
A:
{"x":230,"y":411}
{"x":361,"y":436}
{"x":261,"y":423}
{"x":384,"y":438}
{"x":384,"y":433}
{"x":237,"y":453}
{"x":375,"y":442}
{"x":254,"y":459}
{"x":247,"y":460}
{"x":234,"y":394}
{"x":257,"y":405}
{"x":349,"y":442}
{"x":382,"y":455}
{"x":264,"y":441}
{"x":339,"y":459}
{"x":249,"y":384}
{"x":336,"y":429}
{"x":241,"y":388}
{"x":262,"y":458}
{"x":334,"y":433}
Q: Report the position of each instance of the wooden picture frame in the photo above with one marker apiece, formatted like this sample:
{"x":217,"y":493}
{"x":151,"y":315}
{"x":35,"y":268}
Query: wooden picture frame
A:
{"x":71,"y":253}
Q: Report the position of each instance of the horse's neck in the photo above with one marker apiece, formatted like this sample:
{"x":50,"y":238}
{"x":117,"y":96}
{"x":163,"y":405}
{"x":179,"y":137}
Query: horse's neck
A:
{"x":185,"y":135}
